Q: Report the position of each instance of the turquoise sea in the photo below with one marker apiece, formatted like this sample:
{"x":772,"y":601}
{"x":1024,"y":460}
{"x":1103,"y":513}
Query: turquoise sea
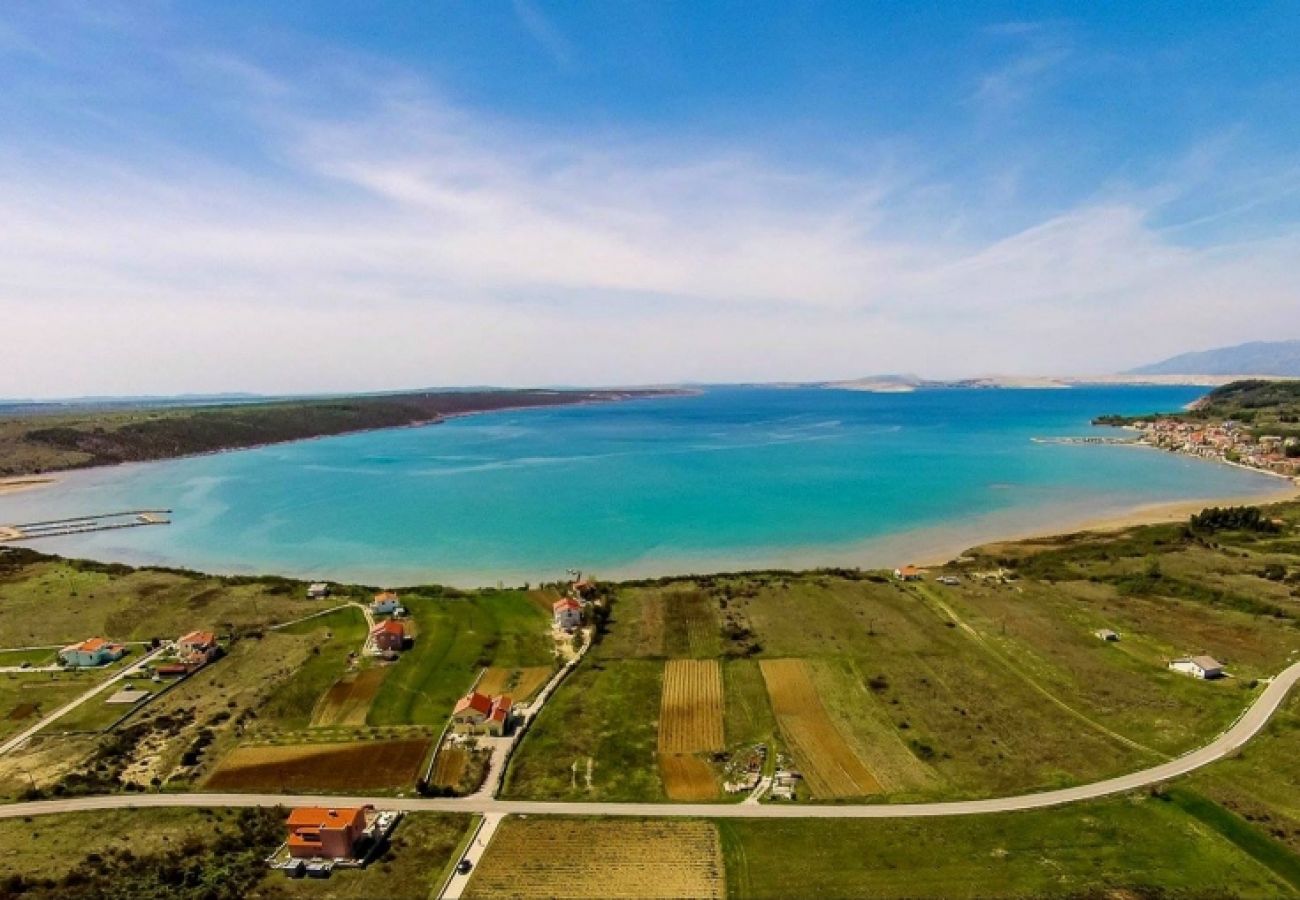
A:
{"x":728,"y":478}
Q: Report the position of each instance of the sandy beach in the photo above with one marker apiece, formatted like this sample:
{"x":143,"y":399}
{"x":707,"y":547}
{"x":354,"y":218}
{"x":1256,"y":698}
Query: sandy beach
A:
{"x":24,"y":483}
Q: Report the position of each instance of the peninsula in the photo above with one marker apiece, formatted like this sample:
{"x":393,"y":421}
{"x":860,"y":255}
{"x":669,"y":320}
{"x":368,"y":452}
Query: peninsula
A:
{"x":53,"y":438}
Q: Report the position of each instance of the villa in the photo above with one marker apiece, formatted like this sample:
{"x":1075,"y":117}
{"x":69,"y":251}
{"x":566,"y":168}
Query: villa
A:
{"x":197,"y":648}
{"x":477,"y":713}
{"x":316,"y":832}
{"x":567,"y":613}
{"x":96,"y":651}
{"x":385,"y":603}
{"x":389,"y":635}
{"x":908,"y":573}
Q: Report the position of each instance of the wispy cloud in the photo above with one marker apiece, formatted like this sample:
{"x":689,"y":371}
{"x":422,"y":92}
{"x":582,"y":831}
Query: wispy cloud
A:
{"x":1038,"y":48}
{"x":408,"y":240}
{"x":552,"y":40}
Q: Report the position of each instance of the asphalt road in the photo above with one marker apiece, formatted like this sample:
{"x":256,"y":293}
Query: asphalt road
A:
{"x":1246,"y":727}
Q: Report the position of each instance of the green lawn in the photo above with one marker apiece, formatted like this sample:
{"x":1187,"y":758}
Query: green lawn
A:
{"x":455,"y":639}
{"x":336,"y":635}
{"x":607,"y":712}
{"x":47,"y":657}
{"x":1135,"y":845}
{"x":26,"y":697}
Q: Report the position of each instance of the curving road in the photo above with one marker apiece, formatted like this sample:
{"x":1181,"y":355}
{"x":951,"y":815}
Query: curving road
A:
{"x":1247,"y":726}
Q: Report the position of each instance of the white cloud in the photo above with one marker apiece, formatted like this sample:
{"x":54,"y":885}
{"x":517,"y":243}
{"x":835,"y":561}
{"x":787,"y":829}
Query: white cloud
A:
{"x":411,"y":242}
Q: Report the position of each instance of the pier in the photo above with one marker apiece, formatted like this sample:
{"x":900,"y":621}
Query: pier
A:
{"x":133,"y":518}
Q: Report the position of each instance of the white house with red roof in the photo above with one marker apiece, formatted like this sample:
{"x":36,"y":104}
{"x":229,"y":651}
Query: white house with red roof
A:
{"x":567,"y":613}
{"x":95,"y":651}
{"x":196,"y":648}
{"x":477,"y":713}
{"x":385,"y":603}
{"x":389,"y":634}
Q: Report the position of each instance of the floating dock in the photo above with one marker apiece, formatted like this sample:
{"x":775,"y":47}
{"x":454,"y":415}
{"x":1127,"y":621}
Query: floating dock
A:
{"x":133,"y":518}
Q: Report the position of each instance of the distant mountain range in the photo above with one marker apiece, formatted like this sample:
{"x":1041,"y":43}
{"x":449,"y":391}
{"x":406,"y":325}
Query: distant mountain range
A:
{"x":1255,"y":358}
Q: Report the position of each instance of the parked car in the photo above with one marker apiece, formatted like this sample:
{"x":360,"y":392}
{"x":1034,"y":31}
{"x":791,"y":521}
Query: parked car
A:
{"x":464,"y":866}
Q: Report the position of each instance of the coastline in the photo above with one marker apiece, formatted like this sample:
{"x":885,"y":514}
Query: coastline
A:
{"x":15,"y":483}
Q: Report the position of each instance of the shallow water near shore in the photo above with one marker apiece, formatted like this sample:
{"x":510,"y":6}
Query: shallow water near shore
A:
{"x":728,"y":478}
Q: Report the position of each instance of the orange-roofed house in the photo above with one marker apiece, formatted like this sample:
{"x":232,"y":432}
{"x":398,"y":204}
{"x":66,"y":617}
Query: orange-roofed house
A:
{"x":477,"y":713}
{"x":96,"y":651}
{"x":908,"y":573}
{"x":197,"y":647}
{"x":385,"y":603}
{"x":317,"y":832}
{"x":389,"y":635}
{"x":567,"y":613}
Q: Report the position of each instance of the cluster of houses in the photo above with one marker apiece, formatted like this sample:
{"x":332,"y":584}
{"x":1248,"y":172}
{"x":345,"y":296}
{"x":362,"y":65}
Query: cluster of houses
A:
{"x":568,"y":613}
{"x":389,"y":636}
{"x":1228,"y":441}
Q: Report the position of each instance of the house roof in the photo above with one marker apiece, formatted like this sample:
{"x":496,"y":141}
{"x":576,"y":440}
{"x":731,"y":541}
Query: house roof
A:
{"x":326,"y":817}
{"x":500,"y":708}
{"x":1207,"y":662}
{"x":389,"y":626}
{"x":89,"y":645}
{"x":909,"y":570}
{"x":203,"y":638}
{"x":479,"y":703}
{"x":385,"y":596}
{"x":566,"y":603}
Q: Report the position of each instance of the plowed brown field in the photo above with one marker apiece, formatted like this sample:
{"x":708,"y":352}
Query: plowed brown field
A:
{"x":357,"y":765}
{"x":348,"y":699}
{"x":828,"y":763}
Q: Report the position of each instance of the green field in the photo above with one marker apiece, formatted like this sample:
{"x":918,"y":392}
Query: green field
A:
{"x":1136,"y":845}
{"x":332,"y":637}
{"x":456,"y":638}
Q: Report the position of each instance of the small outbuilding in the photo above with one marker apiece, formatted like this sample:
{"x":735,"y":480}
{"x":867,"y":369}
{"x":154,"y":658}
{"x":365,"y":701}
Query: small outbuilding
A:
{"x":1206,"y":667}
{"x":317,"y":590}
{"x":1107,"y":634}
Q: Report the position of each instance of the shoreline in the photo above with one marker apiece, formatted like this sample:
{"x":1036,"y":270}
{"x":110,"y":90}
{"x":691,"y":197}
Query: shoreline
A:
{"x":14,"y":484}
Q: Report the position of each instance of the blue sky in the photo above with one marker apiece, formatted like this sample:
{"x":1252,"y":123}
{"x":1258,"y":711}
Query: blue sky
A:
{"x":317,"y":196}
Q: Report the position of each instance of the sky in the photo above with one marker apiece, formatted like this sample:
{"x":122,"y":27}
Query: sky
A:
{"x":319,"y":196}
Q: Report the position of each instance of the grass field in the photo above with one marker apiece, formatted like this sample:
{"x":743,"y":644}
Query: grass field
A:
{"x":46,"y":600}
{"x":25,"y":698}
{"x":347,"y":702}
{"x":43,"y":657}
{"x":520,"y":684}
{"x":456,"y":639}
{"x":1120,"y":848}
{"x":361,"y":765}
{"x":599,"y":858}
{"x":333,"y":638}
{"x":829,"y":765}
{"x":603,"y":722}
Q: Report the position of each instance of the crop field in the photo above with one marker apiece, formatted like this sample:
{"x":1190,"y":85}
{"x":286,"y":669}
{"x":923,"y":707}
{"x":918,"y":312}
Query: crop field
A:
{"x":690,"y":711}
{"x":519,"y":683}
{"x":828,"y":763}
{"x":678,"y":620}
{"x":614,"y":858}
{"x":359,"y":765}
{"x":687,"y":777}
{"x":449,"y":768}
{"x":348,"y":699}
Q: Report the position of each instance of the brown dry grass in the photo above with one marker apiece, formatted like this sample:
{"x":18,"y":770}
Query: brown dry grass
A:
{"x":358,"y":765}
{"x":348,"y":699}
{"x":450,"y":766}
{"x":829,"y":765}
{"x":601,"y":858}
{"x":687,"y":777}
{"x":690,"y":711}
{"x":520,"y":683}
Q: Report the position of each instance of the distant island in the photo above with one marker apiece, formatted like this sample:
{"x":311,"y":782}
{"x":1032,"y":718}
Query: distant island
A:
{"x":50,"y":438}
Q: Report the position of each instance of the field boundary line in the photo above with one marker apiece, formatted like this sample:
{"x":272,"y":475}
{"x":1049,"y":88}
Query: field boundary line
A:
{"x":971,"y":632}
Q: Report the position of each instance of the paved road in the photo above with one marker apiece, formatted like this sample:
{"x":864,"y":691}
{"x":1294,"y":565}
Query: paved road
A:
{"x":1246,"y":727}
{"x":129,"y":670}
